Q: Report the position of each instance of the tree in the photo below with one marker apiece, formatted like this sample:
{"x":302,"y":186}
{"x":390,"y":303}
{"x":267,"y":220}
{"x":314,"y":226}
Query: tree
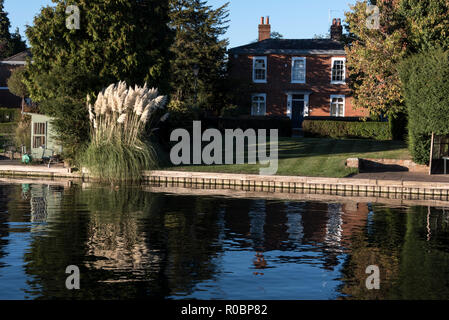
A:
{"x":425,"y":78}
{"x":198,"y":29}
{"x":276,"y":35}
{"x":10,"y":44}
{"x":16,"y":83}
{"x":373,"y":54}
{"x":117,"y":40}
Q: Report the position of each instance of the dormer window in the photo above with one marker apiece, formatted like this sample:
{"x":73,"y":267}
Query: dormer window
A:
{"x":338,"y":71}
{"x":260,"y":69}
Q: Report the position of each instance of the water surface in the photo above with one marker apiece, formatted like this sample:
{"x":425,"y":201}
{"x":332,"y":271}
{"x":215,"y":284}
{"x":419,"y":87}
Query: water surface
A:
{"x":134,"y":244}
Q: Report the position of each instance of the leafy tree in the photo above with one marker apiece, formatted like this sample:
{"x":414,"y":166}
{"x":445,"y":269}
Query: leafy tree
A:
{"x":198,"y":29}
{"x":16,"y":83}
{"x":425,"y":78}
{"x":372,"y":56}
{"x":10,"y":44}
{"x":406,"y":27}
{"x":117,"y":40}
{"x":276,"y":35}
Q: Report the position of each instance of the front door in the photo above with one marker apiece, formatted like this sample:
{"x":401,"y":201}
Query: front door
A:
{"x":297,"y":111}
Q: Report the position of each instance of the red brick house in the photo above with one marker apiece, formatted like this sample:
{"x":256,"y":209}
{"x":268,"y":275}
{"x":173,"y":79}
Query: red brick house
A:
{"x":298,"y":78}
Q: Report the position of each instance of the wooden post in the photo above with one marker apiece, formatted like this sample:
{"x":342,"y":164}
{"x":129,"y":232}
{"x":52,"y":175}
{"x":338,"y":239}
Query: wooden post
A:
{"x":431,"y":153}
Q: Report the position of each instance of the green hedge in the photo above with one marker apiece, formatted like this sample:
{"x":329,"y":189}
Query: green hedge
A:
{"x":8,"y":127}
{"x":347,"y":129}
{"x":9,"y":115}
{"x":425,"y":84}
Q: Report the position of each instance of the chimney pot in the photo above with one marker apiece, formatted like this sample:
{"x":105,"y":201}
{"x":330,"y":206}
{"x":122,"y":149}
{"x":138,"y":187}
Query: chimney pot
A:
{"x":336,"y":30}
{"x":262,"y":20}
{"x":264,"y":29}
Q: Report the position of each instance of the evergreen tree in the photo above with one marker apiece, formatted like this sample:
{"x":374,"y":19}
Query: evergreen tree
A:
{"x":10,"y":44}
{"x":198,"y":44}
{"x":117,"y":40}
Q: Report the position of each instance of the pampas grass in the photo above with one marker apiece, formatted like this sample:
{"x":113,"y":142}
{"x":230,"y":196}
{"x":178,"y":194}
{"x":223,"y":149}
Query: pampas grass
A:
{"x":118,"y":118}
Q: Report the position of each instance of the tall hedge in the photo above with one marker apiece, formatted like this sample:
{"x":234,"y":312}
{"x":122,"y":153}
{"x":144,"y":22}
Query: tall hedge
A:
{"x":425,"y":84}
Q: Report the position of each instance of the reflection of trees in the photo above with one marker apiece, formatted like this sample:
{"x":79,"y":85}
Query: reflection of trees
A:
{"x":127,"y":243}
{"x":412,"y":264}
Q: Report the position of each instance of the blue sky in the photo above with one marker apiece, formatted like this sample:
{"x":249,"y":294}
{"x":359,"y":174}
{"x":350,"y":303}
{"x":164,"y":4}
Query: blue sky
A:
{"x":292,"y":18}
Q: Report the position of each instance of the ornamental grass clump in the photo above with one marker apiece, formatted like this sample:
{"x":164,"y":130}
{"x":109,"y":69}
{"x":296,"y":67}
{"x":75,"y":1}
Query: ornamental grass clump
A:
{"x":118,"y":150}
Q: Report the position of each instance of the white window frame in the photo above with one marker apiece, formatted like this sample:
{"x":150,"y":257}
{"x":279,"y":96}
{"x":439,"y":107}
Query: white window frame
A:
{"x":39,"y":135}
{"x":344,"y":70}
{"x":305,"y":69}
{"x":264,"y":95}
{"x":336,"y":96}
{"x":254,"y":70}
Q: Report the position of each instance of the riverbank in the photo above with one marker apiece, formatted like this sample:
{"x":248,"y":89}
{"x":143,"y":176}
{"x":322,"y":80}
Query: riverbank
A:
{"x":397,"y":183}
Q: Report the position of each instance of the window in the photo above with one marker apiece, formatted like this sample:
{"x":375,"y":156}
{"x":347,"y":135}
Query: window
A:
{"x":260,"y":69}
{"x":338,"y":106}
{"x":39,"y":134}
{"x":299,"y":70}
{"x":258,"y":105}
{"x":338,"y":71}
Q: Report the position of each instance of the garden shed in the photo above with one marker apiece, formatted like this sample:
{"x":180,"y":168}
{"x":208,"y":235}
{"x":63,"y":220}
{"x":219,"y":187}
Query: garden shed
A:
{"x":43,"y":142}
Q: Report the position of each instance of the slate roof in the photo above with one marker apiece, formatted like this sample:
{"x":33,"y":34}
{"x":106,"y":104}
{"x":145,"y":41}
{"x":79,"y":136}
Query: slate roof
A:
{"x":19,"y":58}
{"x":291,"y":46}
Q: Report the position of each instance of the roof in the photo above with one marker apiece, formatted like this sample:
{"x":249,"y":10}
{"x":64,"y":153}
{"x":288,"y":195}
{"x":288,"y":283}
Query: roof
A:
{"x":19,"y":58}
{"x":292,"y":46}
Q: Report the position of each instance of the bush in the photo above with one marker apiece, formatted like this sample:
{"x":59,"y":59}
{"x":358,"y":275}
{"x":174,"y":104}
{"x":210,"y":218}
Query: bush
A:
{"x":347,"y":129}
{"x":22,"y":135}
{"x":283,"y":124}
{"x":117,"y":150}
{"x":7,"y":128}
{"x":425,"y":82}
{"x":9,"y":115}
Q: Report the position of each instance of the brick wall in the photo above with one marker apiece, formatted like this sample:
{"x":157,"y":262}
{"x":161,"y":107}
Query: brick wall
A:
{"x":318,"y":78}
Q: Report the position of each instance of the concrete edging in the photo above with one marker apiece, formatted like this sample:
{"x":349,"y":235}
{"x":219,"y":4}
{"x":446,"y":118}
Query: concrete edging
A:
{"x":316,"y":183}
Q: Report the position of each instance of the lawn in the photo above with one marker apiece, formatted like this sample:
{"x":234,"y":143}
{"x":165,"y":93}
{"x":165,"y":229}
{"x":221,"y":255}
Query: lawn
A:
{"x":315,"y":157}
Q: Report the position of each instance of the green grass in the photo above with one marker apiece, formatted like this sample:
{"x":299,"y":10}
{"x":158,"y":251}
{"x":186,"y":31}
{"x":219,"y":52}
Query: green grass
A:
{"x":315,"y":157}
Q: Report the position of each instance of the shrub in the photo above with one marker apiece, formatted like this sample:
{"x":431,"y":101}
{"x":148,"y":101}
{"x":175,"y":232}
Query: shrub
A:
{"x":425,"y":83}
{"x":7,"y":128}
{"x":347,"y":129}
{"x":9,"y":115}
{"x":117,"y":150}
{"x":283,"y":124}
{"x":22,"y":135}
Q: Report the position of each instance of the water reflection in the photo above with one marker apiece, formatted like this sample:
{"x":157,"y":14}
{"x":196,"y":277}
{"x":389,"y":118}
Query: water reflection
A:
{"x":129,"y":243}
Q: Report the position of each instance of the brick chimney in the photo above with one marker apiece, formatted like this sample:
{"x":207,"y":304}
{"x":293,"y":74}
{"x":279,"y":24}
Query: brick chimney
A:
{"x":336,"y":30}
{"x":264,"y":29}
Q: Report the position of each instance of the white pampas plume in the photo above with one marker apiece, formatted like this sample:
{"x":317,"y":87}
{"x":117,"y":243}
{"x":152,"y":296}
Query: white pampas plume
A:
{"x":152,"y":93}
{"x":145,"y":114}
{"x":104,"y":105}
{"x":165,"y":117}
{"x":160,"y":101}
{"x":91,"y":115}
{"x":98,"y":103}
{"x":122,"y":118}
